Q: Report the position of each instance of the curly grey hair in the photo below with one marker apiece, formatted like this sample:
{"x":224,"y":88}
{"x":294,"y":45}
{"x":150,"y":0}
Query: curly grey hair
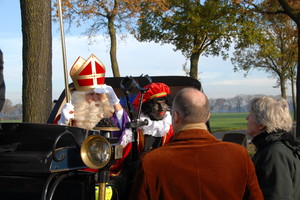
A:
{"x":272,"y":113}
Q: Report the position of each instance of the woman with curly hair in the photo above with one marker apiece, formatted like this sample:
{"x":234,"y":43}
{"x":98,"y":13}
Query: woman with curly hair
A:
{"x":277,"y":158}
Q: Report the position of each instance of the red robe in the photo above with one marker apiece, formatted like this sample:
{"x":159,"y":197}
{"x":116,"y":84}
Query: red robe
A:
{"x":164,"y":140}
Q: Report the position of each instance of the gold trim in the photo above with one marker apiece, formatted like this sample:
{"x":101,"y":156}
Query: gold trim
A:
{"x":106,"y":128}
{"x":91,"y":76}
{"x":86,"y":154}
{"x":79,"y":65}
{"x":158,"y":94}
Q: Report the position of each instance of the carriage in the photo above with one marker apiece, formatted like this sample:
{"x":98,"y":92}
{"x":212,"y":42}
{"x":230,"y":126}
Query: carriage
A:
{"x":45,"y":161}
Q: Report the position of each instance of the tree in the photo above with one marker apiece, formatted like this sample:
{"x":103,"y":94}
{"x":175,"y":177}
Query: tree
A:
{"x":7,"y":107}
{"x":273,"y":49}
{"x":108,"y":17}
{"x":292,"y":77}
{"x":291,"y":8}
{"x":238,"y":102}
{"x":294,"y":14}
{"x":220,"y":104}
{"x":37,"y":60}
{"x":194,"y":28}
{"x":2,"y":83}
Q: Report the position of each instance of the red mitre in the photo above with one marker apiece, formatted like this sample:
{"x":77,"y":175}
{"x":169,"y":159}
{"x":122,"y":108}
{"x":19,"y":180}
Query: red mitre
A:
{"x":155,"y":90}
{"x":87,"y":74}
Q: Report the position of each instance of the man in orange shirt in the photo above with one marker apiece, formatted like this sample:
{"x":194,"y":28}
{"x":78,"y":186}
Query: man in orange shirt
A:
{"x":195,"y":165}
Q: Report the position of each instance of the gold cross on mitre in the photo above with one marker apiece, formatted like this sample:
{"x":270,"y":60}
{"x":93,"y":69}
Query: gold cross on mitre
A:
{"x":87,"y":74}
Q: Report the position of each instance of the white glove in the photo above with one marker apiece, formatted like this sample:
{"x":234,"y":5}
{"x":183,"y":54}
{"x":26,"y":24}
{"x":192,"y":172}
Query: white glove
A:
{"x":111,"y":95}
{"x":67,"y":113}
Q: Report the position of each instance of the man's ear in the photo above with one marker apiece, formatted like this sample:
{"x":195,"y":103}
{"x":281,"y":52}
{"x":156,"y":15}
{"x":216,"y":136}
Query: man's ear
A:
{"x":175,"y":117}
{"x":208,"y":117}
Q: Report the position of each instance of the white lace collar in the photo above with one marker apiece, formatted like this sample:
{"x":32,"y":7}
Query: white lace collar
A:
{"x":157,"y":128}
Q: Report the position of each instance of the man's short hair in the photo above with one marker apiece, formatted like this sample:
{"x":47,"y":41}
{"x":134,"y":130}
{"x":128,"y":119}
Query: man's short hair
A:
{"x":192,"y":110}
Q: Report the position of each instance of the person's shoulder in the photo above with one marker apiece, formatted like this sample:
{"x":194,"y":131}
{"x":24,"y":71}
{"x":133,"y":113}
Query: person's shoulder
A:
{"x":232,"y":145}
{"x":275,"y":148}
{"x":233,"y":148}
{"x":276,"y":151}
{"x":154,"y":154}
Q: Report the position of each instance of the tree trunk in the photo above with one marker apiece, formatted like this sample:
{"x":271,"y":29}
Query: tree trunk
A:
{"x":293,"y":97}
{"x":37,"y":60}
{"x":194,"y":65}
{"x":2,"y":83}
{"x":298,"y":87}
{"x":113,"y":48}
{"x":282,"y":87}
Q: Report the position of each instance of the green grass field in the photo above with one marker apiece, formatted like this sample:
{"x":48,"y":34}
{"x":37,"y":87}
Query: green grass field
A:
{"x":220,"y":122}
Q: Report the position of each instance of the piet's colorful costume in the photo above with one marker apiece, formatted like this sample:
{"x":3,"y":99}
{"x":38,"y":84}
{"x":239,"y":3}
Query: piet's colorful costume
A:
{"x":89,"y":79}
{"x":158,"y":131}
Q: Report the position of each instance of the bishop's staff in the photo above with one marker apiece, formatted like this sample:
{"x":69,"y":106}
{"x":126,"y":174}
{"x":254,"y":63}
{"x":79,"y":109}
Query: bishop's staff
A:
{"x":63,"y":52}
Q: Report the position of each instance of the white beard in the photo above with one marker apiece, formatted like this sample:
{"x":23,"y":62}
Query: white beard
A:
{"x":88,"y":115}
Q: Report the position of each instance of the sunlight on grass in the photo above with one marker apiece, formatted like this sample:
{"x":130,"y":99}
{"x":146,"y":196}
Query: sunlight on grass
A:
{"x":220,"y":122}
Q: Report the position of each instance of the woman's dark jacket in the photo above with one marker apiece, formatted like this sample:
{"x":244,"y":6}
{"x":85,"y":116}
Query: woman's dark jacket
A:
{"x":277,"y":163}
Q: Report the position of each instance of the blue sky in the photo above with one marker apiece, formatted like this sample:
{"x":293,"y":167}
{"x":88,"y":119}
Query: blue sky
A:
{"x":216,"y":75}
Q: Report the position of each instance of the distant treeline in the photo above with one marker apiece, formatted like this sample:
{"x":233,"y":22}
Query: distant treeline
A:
{"x":235,"y":104}
{"x":10,"y":111}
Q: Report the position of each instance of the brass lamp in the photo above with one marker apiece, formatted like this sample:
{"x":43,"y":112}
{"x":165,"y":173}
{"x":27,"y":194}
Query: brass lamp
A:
{"x":97,"y":153}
